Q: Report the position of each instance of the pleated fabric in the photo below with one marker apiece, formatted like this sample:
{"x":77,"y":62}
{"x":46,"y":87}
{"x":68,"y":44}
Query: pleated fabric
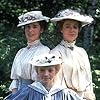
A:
{"x":37,"y":91}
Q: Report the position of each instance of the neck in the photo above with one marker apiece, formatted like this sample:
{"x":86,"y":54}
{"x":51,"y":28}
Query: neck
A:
{"x":70,"y":41}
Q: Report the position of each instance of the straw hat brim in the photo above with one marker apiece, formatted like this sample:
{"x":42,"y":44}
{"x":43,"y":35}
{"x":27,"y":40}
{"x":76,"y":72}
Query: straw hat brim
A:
{"x":42,"y":61}
{"x":84,"y":20}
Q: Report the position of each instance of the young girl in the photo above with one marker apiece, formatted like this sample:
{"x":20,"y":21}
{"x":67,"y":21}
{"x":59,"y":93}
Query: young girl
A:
{"x":47,"y":67}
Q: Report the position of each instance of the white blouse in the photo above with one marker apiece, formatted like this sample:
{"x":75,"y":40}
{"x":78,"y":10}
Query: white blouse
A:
{"x":21,"y":68}
{"x":76,"y":71}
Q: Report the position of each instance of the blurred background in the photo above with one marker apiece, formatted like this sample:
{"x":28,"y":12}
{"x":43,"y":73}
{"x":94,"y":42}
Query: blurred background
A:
{"x":12,"y":38}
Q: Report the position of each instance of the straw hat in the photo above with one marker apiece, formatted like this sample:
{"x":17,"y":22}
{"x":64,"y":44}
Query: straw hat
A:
{"x":30,"y":17}
{"x":46,"y":60}
{"x":72,"y":14}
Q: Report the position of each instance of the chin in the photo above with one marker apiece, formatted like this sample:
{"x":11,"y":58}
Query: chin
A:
{"x":31,"y":41}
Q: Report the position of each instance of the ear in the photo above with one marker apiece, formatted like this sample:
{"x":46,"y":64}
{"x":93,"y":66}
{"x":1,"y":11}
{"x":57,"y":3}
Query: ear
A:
{"x":41,"y":30}
{"x":61,"y":31}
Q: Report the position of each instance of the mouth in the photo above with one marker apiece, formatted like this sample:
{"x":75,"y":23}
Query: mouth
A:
{"x":46,"y":79}
{"x":72,"y":34}
{"x":31,"y":34}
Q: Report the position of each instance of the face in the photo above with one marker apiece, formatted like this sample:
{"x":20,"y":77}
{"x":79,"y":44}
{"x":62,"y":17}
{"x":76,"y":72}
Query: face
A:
{"x":47,"y":75}
{"x":33,"y":31}
{"x":70,"y":30}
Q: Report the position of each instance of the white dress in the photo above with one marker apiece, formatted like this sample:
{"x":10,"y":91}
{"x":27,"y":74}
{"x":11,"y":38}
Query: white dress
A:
{"x":76,"y":71}
{"x":21,"y":69}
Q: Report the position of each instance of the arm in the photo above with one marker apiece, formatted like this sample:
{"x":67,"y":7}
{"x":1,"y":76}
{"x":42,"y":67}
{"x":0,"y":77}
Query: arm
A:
{"x":14,"y":84}
{"x":89,"y":94}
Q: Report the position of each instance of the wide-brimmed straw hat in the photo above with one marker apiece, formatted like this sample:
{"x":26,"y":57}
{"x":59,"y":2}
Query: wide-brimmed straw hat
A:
{"x":46,"y":60}
{"x":72,"y":14}
{"x":30,"y":17}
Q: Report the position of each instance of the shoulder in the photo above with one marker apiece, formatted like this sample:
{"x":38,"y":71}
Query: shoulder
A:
{"x":56,"y":48}
{"x":42,"y":46}
{"x":19,"y":52}
{"x":81,"y":50}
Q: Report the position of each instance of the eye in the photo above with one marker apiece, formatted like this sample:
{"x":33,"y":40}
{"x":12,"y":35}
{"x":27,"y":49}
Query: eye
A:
{"x":35,"y":26}
{"x":27,"y":26}
{"x":75,"y":27}
{"x":42,"y":70}
{"x":51,"y":69}
{"x":67,"y":26}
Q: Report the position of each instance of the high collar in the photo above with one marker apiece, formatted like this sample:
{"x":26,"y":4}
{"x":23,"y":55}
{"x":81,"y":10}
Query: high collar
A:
{"x":39,"y":87}
{"x":67,"y":44}
{"x":34,"y":43}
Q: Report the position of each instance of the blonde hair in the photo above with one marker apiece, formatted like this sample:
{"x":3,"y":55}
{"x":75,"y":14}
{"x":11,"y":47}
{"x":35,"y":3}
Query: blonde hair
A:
{"x":57,"y":67}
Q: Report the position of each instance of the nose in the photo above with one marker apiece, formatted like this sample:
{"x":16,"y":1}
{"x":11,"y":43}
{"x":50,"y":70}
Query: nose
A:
{"x":46,"y":73}
{"x":71,"y":28}
{"x":30,"y":28}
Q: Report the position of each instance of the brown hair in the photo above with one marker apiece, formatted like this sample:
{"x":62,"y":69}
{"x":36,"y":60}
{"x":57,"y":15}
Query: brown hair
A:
{"x":60,"y":24}
{"x":43,"y":24}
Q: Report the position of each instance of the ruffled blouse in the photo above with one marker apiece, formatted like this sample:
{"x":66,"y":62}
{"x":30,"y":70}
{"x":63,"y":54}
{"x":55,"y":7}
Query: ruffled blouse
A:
{"x":21,"y":68}
{"x":76,"y":71}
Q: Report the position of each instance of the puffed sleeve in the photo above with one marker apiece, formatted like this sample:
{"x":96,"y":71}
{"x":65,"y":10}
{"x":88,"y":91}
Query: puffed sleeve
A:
{"x":14,"y":83}
{"x":87,"y":64}
{"x":89,"y":94}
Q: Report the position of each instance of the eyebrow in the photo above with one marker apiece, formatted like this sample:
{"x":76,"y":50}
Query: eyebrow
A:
{"x":70,"y":24}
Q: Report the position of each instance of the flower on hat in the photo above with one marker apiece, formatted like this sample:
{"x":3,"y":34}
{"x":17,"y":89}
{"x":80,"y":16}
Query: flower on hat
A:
{"x":67,"y":12}
{"x":26,"y":18}
{"x":46,"y":60}
{"x":30,"y":17}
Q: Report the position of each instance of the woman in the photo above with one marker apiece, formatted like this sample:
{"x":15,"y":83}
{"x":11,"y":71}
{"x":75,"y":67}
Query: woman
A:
{"x":46,"y":88}
{"x":23,"y":73}
{"x":76,"y":71}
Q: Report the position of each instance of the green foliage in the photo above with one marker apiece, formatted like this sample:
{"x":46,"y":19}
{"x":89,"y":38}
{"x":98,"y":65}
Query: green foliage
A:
{"x":51,"y":37}
{"x":96,"y":79}
{"x":12,"y":38}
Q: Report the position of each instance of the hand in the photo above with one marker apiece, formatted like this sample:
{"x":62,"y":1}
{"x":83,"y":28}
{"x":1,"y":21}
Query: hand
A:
{"x":14,"y":90}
